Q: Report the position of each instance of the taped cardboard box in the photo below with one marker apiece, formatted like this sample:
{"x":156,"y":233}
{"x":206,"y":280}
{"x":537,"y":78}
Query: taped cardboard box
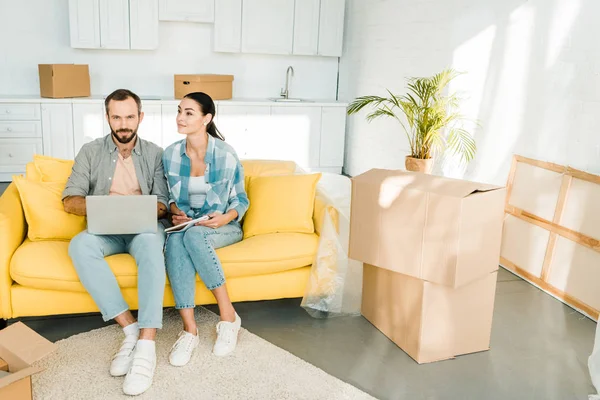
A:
{"x":64,"y":80}
{"x":429,"y":322}
{"x":218,"y":87}
{"x":20,"y":347}
{"x":431,"y":248}
{"x":438,"y":229}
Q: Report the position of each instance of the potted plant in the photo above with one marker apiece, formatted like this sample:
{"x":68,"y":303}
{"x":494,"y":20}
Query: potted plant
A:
{"x":433,"y":124}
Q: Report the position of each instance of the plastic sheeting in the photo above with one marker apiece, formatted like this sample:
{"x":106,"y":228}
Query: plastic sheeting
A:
{"x":594,"y":365}
{"x":335,"y":284}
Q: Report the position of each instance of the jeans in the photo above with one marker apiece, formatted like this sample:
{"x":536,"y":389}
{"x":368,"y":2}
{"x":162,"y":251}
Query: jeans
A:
{"x":88,"y":251}
{"x":193,"y":251}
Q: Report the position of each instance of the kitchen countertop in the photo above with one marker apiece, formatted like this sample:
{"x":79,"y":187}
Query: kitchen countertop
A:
{"x":168,"y":99}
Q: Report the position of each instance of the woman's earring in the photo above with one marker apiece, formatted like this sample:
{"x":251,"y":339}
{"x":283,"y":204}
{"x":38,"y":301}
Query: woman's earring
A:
{"x":206,"y":123}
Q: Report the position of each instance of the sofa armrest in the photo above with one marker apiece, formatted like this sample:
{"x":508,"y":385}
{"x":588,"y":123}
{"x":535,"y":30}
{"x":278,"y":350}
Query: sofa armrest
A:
{"x":12,"y":233}
{"x":321,"y":207}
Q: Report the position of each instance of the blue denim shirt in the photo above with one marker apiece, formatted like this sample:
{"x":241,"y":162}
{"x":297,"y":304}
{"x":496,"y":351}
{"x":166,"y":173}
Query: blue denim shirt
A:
{"x":224,"y":176}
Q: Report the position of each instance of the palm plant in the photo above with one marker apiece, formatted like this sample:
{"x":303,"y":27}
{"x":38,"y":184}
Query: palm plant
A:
{"x":434,"y":125}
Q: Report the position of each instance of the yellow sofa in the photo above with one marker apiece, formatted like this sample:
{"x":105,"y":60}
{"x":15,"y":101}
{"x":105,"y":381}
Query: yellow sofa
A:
{"x":37,"y":277}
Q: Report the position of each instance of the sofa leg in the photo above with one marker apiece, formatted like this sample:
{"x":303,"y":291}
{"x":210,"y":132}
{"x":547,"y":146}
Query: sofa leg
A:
{"x":3,"y":323}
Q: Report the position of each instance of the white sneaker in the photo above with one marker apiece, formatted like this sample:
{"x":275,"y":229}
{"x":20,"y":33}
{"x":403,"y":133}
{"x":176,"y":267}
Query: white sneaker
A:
{"x":182,"y":350}
{"x":227,"y":334}
{"x":139,"y":377}
{"x":122,"y":359}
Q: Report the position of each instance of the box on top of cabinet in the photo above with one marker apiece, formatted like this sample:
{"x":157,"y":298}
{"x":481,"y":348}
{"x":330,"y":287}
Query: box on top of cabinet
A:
{"x":59,"y":81}
{"x":218,"y":87}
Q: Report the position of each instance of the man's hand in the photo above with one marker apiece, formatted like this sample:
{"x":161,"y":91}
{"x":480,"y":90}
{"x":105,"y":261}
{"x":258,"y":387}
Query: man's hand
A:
{"x":75,"y":205}
{"x":178,"y":216}
{"x":161,"y":210}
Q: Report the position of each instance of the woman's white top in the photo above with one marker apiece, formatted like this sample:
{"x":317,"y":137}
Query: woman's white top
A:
{"x":197,"y":190}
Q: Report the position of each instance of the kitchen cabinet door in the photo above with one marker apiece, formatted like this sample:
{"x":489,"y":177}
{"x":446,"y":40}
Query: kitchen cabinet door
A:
{"x":333,"y":134}
{"x":151,"y":126}
{"x":268,"y":26}
{"x":228,"y":26}
{"x":306,"y":27}
{"x":331,"y":27}
{"x":114,"y":24}
{"x":187,"y":10}
{"x":89,"y":123}
{"x":57,"y":130}
{"x":84,"y":24}
{"x":143,"y":24}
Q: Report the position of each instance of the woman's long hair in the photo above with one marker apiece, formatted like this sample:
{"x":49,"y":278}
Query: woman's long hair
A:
{"x":207,"y":106}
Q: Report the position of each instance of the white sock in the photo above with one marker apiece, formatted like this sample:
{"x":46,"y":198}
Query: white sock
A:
{"x":146,"y":347}
{"x":132,"y":329}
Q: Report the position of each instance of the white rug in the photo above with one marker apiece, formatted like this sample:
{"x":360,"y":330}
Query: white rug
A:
{"x":256,"y":370}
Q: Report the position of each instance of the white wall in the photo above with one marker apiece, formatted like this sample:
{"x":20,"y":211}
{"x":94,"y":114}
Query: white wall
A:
{"x":533,"y":77}
{"x":36,"y":32}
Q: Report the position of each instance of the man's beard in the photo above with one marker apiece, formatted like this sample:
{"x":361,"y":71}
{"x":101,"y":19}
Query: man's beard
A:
{"x":126,"y":139}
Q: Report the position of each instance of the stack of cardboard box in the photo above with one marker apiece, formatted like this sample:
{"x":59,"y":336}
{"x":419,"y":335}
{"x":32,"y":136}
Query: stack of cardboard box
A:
{"x":430,"y":247}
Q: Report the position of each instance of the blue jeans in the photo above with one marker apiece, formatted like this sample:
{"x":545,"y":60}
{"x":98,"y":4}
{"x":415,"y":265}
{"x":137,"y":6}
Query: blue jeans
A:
{"x":88,"y":251}
{"x":193,"y":251}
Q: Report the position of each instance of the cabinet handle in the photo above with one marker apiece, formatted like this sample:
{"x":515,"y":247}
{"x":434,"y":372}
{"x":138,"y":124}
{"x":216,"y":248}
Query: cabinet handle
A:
{"x":8,"y":111}
{"x":10,"y":155}
{"x":9,"y":129}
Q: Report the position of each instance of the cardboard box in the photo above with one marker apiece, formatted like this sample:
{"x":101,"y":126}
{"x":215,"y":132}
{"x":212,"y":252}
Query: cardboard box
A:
{"x":429,"y":322}
{"x":20,"y":347}
{"x":218,"y":87}
{"x":441,"y":230}
{"x":64,"y":80}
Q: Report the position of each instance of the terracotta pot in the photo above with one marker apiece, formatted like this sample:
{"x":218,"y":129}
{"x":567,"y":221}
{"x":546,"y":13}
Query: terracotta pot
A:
{"x":419,"y":164}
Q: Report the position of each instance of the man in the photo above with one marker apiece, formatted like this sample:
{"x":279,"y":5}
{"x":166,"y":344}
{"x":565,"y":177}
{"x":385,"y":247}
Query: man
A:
{"x":122,"y":164}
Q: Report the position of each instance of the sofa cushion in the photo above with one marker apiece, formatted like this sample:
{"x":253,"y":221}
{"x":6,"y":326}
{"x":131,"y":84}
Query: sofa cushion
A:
{"x":279,"y":204}
{"x":46,"y":265}
{"x":52,"y":169}
{"x":44,"y":211}
{"x":266,"y":167}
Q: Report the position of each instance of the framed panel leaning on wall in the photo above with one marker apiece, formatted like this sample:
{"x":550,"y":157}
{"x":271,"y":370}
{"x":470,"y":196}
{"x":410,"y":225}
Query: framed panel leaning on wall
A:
{"x":551,"y":234}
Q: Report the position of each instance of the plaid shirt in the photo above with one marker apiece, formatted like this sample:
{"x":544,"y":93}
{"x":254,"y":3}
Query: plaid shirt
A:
{"x":224,"y":175}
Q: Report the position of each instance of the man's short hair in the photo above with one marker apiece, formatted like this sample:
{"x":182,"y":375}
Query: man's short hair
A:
{"x":120,"y":95}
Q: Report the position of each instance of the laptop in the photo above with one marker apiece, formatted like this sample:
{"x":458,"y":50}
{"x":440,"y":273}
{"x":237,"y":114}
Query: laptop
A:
{"x":121,"y":215}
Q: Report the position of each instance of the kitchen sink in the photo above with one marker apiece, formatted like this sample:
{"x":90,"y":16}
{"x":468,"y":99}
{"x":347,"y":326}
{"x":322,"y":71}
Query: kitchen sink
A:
{"x":289,"y":100}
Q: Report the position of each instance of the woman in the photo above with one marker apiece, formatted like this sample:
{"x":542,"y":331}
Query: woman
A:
{"x":205,"y":177}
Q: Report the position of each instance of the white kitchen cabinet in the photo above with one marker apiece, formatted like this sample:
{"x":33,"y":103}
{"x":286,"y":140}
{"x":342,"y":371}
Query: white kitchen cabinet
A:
{"x":19,"y":112}
{"x":151,"y":126}
{"x":268,"y":26}
{"x":143,"y":24}
{"x":15,"y":154}
{"x":331,"y":28}
{"x":187,"y":10}
{"x":20,"y":129}
{"x":89,"y":123}
{"x":333,"y":136}
{"x":57,"y":130}
{"x":114,"y":24}
{"x":306,"y":27}
{"x":84,"y":23}
{"x":310,"y":134}
{"x":241,"y":126}
{"x":169,"y":124}
{"x":228,"y":26}
{"x":293,"y":135}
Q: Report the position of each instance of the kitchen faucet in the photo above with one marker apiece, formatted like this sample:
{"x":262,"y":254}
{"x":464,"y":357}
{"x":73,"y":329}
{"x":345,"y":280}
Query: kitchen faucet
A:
{"x":285,"y":93}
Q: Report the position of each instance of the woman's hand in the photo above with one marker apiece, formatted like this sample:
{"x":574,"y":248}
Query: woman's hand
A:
{"x":178,"y":216}
{"x":218,"y":220}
